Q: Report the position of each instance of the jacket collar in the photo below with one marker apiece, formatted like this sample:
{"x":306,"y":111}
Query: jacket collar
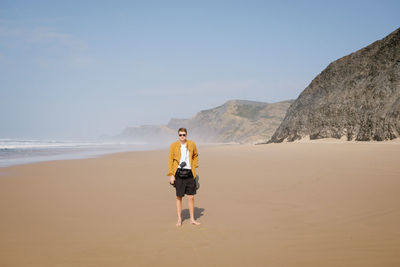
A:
{"x":187,"y":142}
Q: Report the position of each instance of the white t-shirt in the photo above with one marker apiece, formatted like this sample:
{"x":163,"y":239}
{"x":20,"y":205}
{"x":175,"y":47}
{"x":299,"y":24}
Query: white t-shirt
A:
{"x":185,"y":157}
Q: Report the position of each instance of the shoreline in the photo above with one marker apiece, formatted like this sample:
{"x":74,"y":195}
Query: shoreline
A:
{"x":85,"y":154}
{"x":92,"y":154}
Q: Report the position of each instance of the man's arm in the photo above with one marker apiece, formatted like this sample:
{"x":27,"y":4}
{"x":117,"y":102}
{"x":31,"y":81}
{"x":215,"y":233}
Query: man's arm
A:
{"x":195,"y":157}
{"x":170,"y":161}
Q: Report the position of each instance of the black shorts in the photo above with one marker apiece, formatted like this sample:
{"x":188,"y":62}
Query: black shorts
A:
{"x":185,"y":186}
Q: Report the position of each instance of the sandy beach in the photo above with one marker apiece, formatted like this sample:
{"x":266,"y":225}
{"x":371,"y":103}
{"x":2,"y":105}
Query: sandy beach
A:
{"x":290,"y":204}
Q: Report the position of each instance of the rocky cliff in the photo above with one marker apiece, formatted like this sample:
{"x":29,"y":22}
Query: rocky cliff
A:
{"x":240,"y":121}
{"x":356,"y":97}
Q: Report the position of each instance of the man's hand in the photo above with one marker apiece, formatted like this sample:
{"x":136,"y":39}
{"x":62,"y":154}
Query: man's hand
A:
{"x":172,"y":179}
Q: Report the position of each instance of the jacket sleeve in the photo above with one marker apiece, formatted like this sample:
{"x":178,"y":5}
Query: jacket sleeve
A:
{"x":171,"y":160}
{"x":195,"y":157}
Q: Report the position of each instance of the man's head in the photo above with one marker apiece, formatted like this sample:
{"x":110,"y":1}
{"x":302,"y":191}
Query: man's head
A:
{"x":182,"y":134}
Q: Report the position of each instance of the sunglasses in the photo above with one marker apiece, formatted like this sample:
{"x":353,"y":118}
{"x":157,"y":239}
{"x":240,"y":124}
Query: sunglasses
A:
{"x":182,"y":134}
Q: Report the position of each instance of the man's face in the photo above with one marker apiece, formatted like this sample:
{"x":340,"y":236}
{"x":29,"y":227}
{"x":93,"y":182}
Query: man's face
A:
{"x":182,"y":136}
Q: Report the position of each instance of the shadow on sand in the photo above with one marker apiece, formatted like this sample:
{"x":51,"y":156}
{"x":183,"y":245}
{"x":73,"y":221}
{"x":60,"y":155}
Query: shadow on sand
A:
{"x":198,"y":212}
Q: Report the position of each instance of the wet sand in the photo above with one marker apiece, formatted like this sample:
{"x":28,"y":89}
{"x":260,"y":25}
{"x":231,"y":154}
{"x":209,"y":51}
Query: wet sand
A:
{"x":289,"y":204}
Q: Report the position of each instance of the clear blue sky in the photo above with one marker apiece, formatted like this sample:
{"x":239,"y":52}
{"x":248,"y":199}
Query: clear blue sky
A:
{"x":79,"y":69}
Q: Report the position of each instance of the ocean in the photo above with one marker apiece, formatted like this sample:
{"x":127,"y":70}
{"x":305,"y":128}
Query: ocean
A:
{"x":18,"y":151}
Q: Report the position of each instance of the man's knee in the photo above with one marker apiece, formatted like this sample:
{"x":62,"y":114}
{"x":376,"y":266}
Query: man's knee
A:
{"x":178,"y":198}
{"x":190,"y":197}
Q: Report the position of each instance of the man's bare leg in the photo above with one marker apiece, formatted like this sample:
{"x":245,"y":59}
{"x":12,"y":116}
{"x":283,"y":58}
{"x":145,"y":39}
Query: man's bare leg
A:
{"x":179,"y":210}
{"x":191,"y":209}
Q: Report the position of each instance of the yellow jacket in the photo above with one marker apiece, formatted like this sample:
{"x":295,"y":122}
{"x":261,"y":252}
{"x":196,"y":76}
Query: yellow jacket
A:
{"x":175,"y":156}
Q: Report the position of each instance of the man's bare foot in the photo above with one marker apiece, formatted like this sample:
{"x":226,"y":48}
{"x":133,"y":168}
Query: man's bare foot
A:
{"x":194,"y":222}
{"x":179,"y":223}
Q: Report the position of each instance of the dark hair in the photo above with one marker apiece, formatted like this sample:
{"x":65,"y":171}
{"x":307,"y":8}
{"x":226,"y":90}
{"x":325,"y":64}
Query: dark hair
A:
{"x":182,"y":130}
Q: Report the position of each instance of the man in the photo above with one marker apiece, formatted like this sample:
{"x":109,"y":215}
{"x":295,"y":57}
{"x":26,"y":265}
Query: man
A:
{"x":185,"y":151}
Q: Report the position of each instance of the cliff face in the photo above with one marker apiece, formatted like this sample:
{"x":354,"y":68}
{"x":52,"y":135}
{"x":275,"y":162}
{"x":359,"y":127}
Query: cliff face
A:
{"x":241,"y":121}
{"x":356,"y":96}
